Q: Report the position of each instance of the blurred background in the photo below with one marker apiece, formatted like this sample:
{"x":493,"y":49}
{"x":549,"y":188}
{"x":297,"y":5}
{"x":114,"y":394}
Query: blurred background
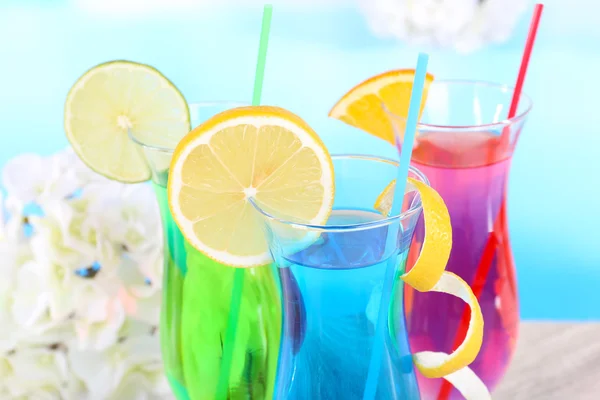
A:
{"x":62,"y":337}
{"x":318,"y":50}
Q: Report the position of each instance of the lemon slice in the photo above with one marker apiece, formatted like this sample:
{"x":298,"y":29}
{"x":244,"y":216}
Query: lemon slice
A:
{"x":116,"y":97}
{"x":262,"y":153}
{"x":428,"y":274}
{"x":362,"y":107}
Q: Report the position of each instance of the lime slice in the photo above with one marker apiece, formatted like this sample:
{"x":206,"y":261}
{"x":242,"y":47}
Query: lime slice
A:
{"x":264,"y":153}
{"x":429,"y":274}
{"x":115,"y":98}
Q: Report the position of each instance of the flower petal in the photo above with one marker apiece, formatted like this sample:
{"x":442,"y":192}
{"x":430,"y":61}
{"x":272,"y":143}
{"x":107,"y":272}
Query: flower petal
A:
{"x":24,"y":176}
{"x":30,"y":298}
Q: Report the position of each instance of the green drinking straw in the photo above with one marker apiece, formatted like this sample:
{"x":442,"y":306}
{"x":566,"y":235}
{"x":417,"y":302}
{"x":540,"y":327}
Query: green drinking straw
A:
{"x":238,"y":277}
{"x":388,"y":284}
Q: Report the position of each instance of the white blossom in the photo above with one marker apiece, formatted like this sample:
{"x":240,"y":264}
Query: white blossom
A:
{"x":138,"y":295}
{"x":13,"y":255}
{"x":81,"y":264}
{"x":68,"y":236}
{"x":129,"y":214}
{"x":9,"y":331}
{"x":6,"y":373}
{"x":36,"y":373}
{"x":150,"y":264}
{"x":98,"y":317}
{"x":37,"y":179}
{"x":66,"y":241}
{"x":11,"y":219}
{"x":30,"y":298}
{"x":143,"y":385}
{"x":69,"y":163}
{"x":464,"y":25}
{"x":103,"y":372}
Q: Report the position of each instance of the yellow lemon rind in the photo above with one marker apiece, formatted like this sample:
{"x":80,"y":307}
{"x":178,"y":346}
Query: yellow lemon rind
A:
{"x":428,"y":274}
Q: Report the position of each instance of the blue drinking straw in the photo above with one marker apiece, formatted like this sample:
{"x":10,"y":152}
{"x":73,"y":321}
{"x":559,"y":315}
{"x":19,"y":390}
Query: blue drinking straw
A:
{"x":388,"y":284}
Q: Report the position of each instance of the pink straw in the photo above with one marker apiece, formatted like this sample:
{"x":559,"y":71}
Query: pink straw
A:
{"x":535,"y":22}
{"x":487,"y":257}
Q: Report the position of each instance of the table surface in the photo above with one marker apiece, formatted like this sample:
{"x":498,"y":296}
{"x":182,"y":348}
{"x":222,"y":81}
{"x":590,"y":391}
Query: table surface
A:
{"x":554,"y":361}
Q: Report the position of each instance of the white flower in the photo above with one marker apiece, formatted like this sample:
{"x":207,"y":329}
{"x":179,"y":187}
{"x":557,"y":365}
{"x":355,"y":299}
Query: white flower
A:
{"x":6,"y":375}
{"x":65,"y":242}
{"x":36,"y":373}
{"x":103,"y":372}
{"x":150,"y":264}
{"x":99,"y":316}
{"x":4,"y":391}
{"x":464,"y":25}
{"x":31,"y":299}
{"x":67,"y":236}
{"x":139,"y":296}
{"x":13,"y":256}
{"x":129,"y":214}
{"x":34,"y":179}
{"x":148,"y":383}
{"x":48,"y":333}
{"x":81,"y":265}
{"x":67,"y":162}
{"x":9,"y":331}
{"x":24,"y":176}
{"x":11,"y":219}
{"x":24,"y":309}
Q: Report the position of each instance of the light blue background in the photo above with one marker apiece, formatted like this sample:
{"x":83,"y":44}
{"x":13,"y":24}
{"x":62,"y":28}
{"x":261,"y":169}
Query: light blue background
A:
{"x":314,"y":57}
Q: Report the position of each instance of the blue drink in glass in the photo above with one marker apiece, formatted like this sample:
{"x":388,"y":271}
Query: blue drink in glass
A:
{"x":332,"y":279}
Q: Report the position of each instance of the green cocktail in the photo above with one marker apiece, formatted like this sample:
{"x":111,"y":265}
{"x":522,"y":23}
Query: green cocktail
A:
{"x":195,"y":312}
{"x":124,"y":120}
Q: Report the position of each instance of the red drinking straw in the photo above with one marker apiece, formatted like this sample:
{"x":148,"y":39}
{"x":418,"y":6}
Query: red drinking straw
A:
{"x":535,"y":21}
{"x":487,"y":257}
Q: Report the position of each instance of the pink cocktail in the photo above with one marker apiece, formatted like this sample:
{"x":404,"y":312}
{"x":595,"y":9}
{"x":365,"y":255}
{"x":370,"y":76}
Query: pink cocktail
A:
{"x":464,"y":147}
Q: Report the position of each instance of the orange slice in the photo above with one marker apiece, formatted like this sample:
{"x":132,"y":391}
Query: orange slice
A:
{"x":362,"y":106}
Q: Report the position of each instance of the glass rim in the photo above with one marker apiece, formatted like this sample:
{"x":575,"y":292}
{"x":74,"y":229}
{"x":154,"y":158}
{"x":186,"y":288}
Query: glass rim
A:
{"x":415,"y":208}
{"x":193,"y":105}
{"x":467,"y":82}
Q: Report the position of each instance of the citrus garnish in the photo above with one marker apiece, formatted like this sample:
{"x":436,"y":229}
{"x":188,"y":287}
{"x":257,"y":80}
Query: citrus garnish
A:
{"x":430,"y":265}
{"x":113,"y":98}
{"x":263,"y":153}
{"x":466,"y":382}
{"x":362,"y":106}
{"x":428,"y":274}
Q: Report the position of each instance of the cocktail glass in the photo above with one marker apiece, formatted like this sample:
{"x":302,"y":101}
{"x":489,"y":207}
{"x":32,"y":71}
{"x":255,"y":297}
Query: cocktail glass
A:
{"x":196,"y":303}
{"x":332,"y":281}
{"x":464,"y":146}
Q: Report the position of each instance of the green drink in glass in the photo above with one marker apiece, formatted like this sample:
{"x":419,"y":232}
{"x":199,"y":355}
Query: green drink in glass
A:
{"x":196,"y":305}
{"x":124,"y":120}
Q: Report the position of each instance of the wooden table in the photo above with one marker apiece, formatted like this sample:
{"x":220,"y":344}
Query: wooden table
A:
{"x":545,"y":369}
